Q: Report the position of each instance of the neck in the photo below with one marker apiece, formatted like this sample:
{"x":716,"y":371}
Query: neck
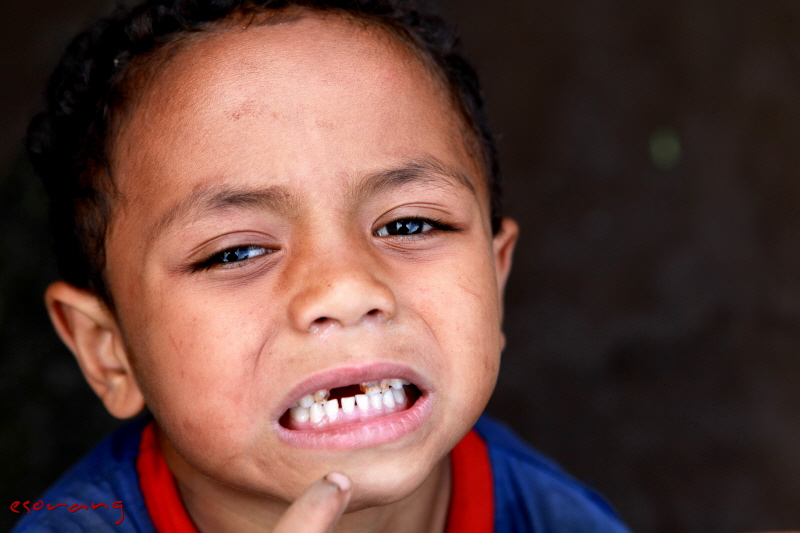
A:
{"x":218,"y":508}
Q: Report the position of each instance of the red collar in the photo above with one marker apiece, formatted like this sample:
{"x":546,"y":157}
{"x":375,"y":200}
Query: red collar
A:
{"x":471,"y":503}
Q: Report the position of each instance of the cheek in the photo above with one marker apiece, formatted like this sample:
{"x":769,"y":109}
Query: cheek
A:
{"x":460,"y":305}
{"x":198,"y":355}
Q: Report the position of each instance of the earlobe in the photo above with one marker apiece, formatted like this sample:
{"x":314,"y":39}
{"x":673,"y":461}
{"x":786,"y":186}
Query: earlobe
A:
{"x":91,"y":332}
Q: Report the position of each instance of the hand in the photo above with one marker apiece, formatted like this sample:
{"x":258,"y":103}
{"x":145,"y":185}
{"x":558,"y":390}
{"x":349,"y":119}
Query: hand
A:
{"x":319,"y":508}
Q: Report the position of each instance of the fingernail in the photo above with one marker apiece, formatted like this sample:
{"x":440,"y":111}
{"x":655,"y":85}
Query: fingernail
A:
{"x":340,"y":480}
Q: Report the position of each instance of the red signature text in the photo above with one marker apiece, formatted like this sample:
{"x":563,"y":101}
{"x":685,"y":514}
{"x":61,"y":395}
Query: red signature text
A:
{"x":74,"y":508}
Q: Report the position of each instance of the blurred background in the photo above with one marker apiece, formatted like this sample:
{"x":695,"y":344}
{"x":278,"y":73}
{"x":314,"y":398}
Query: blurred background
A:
{"x":650,"y":150}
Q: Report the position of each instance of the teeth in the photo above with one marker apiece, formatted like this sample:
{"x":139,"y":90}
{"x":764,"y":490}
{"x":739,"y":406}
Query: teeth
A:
{"x":388,"y":398}
{"x":373,"y":386}
{"x":376,"y":401}
{"x":331,"y":409}
{"x":316,"y":412}
{"x":362,"y":400}
{"x":299,"y":413}
{"x":321,"y":395}
{"x":399,"y":395}
{"x":306,"y":401}
{"x":370,"y":386}
{"x":378,"y":395}
{"x":348,"y":405}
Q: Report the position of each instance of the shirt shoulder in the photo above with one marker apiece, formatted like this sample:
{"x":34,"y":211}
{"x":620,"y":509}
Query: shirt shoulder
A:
{"x":97,"y":492}
{"x":533,"y":494}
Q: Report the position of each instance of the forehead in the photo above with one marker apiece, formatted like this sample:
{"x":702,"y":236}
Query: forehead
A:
{"x":313,"y":95}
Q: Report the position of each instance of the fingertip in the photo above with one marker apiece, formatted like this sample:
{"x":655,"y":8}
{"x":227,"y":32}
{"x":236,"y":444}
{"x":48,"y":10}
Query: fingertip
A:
{"x":340,"y":480}
{"x":319,"y":508}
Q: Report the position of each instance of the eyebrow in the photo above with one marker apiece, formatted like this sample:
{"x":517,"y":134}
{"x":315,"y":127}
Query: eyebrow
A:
{"x":219,"y":198}
{"x":426,"y":171}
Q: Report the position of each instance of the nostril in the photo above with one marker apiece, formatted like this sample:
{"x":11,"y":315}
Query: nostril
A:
{"x":320,"y":320}
{"x":376,"y":315}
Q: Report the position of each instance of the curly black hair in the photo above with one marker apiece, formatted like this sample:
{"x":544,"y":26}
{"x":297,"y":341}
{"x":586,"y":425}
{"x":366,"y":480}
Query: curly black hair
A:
{"x":69,"y":141}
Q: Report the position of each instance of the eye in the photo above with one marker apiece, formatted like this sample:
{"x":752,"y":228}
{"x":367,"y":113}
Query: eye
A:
{"x":237,"y":254}
{"x":410,"y":226}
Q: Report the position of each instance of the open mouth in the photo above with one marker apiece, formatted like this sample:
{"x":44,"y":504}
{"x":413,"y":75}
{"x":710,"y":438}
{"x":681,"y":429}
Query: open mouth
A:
{"x":351,"y":404}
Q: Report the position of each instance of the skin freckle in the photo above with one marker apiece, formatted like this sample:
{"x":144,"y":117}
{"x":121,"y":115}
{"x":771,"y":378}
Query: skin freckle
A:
{"x":249,"y":109}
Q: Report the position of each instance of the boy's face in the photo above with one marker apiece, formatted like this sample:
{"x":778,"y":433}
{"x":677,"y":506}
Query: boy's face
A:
{"x":298,"y":144}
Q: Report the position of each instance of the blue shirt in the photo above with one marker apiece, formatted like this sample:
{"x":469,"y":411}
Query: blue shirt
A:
{"x":531,"y":493}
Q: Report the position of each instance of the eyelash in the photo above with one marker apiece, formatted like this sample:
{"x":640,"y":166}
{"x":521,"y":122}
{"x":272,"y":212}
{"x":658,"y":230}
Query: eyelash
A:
{"x":219,"y":258}
{"x":436,"y":226}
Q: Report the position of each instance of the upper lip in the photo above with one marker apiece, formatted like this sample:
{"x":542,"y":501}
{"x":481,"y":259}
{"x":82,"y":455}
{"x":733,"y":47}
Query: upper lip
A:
{"x":350,"y":375}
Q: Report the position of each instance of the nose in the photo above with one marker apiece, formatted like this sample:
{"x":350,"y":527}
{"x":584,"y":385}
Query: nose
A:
{"x":339,"y":290}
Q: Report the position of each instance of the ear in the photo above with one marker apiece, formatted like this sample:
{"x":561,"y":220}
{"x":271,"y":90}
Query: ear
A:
{"x":503,"y":246}
{"x":90,"y":331}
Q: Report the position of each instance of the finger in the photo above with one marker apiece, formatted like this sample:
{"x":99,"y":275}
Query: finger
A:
{"x":319,"y":508}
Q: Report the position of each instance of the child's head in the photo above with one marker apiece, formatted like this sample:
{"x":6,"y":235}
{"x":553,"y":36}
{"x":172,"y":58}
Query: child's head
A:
{"x":103,"y":71}
{"x":255,"y":201}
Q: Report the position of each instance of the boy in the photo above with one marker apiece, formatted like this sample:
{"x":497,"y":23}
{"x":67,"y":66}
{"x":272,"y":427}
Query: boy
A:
{"x":279,"y":229}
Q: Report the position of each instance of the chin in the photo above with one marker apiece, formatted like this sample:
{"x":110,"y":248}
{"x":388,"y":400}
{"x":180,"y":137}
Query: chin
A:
{"x":386,"y":486}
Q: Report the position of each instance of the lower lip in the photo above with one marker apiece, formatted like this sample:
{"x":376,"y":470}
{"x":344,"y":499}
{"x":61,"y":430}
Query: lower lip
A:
{"x":365,"y":434}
